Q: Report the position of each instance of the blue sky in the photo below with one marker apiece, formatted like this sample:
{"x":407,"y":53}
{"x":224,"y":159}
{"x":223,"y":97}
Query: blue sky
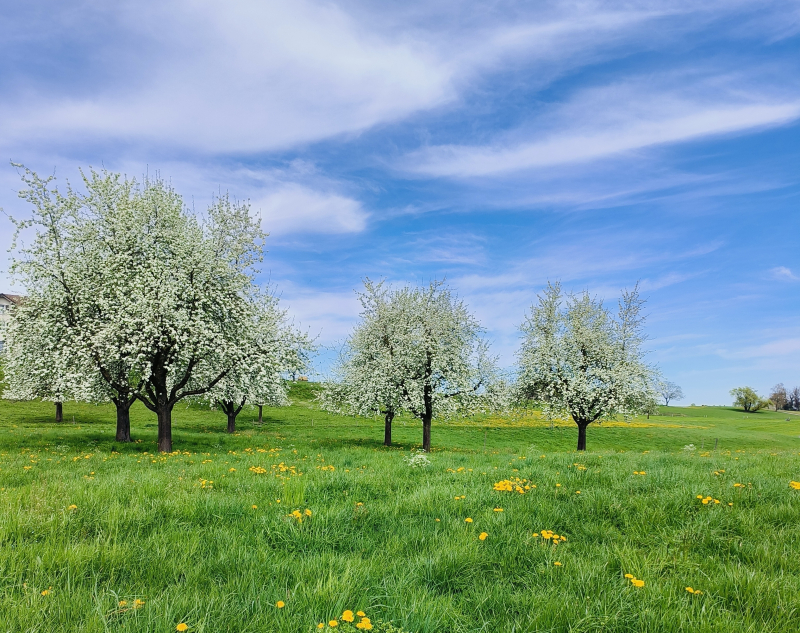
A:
{"x":497,"y":144}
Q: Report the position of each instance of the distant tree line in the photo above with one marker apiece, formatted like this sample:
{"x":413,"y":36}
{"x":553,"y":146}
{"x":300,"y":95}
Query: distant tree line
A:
{"x":785,"y":399}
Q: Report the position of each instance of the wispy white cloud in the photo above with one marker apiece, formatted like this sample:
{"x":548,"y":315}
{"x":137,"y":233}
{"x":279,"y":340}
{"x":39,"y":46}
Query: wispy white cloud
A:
{"x":783,"y":274}
{"x":294,"y":208}
{"x":243,"y":76}
{"x":604,"y":122}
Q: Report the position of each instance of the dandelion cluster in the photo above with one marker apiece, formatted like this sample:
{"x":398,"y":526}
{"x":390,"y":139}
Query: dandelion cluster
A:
{"x":363,"y":624}
{"x":281,"y":471}
{"x":206,"y":484}
{"x":707,"y":500}
{"x":636,"y":582}
{"x":549,"y":535}
{"x":695,"y":592}
{"x":639,"y":472}
{"x":298,"y":516}
{"x":329,"y":467}
{"x":513,"y":485}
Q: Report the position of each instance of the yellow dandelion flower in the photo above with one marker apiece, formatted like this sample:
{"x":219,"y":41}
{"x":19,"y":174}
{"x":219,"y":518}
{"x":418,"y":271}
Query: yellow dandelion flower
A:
{"x":629,"y":576}
{"x":72,"y":507}
{"x":689,"y":589}
{"x":498,"y":509}
{"x":637,"y":583}
{"x":557,"y":564}
{"x":123,"y":603}
{"x":468,"y":520}
{"x":138,"y":603}
{"x":46,"y":592}
{"x":307,"y":512}
{"x":333,"y":623}
{"x":348,"y":616}
{"x":280,"y":604}
{"x":360,"y":614}
{"x":536,"y":534}
{"x":255,"y":507}
{"x":321,"y":625}
{"x":365,"y":624}
{"x":182,"y":627}
{"x":483,"y":536}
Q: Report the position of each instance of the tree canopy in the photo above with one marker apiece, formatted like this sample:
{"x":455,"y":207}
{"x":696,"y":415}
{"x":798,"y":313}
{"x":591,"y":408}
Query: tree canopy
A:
{"x":581,"y":361}
{"x":748,"y":399}
{"x":416,"y":349}
{"x":137,"y":297}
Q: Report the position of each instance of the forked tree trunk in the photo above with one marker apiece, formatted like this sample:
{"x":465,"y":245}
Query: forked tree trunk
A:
{"x":231,"y":410}
{"x":582,"y":435}
{"x":387,"y":428}
{"x":123,"y":421}
{"x":59,"y":411}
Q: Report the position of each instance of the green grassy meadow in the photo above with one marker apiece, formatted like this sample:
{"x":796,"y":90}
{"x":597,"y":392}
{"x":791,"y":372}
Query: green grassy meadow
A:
{"x":97,"y":536}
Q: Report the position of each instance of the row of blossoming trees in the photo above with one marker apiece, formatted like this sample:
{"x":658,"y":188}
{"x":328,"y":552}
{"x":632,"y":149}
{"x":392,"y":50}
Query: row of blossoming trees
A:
{"x":132,"y":296}
{"x":419,"y":350}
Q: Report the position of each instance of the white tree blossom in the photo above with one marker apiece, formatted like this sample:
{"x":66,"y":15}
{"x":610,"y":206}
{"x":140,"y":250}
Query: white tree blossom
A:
{"x":417,"y":350}
{"x":275,"y":349}
{"x":158,"y":302}
{"x":578,"y":360}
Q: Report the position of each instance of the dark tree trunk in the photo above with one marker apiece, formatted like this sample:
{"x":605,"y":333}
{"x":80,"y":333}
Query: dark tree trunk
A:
{"x":427,"y":416}
{"x":426,"y":434}
{"x":387,"y":428}
{"x":123,"y":420}
{"x":164,"y":413}
{"x":231,"y":410}
{"x":260,"y":414}
{"x":59,"y":411}
{"x":582,"y":435}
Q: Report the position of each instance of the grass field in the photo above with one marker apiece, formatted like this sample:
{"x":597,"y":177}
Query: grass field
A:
{"x":96,"y":536}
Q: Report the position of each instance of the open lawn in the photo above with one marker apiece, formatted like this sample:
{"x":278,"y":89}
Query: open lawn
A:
{"x":97,"y":536}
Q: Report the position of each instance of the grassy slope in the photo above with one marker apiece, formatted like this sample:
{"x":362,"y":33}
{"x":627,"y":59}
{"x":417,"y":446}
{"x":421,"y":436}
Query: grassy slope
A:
{"x":146,"y":527}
